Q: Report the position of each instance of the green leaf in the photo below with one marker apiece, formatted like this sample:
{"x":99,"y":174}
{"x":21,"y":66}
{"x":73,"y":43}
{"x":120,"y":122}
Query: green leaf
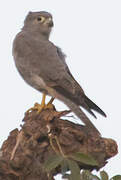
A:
{"x":85,"y":159}
{"x":52,"y":162}
{"x":64,"y":167}
{"x":87,"y":175}
{"x":66,"y":176}
{"x":104,"y":175}
{"x":75,"y":171}
{"x":94,"y":177}
{"x":117,"y":177}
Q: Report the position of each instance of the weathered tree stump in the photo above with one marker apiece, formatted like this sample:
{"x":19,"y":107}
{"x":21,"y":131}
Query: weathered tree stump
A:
{"x":34,"y":147}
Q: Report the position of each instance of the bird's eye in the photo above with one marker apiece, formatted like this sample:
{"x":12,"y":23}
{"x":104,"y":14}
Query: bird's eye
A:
{"x":40,"y":18}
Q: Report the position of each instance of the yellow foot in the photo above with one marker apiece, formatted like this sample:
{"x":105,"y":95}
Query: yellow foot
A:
{"x":40,"y":107}
{"x":37,"y":107}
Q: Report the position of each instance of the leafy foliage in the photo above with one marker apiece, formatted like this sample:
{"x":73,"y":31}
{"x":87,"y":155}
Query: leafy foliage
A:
{"x":104,"y":175}
{"x":53,"y":162}
{"x":75,"y":170}
{"x":86,"y":175}
{"x":118,"y":177}
{"x":70,"y":163}
{"x":85,"y":159}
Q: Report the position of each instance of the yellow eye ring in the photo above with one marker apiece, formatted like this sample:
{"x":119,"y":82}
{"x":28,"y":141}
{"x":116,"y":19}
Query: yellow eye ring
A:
{"x":41,"y":19}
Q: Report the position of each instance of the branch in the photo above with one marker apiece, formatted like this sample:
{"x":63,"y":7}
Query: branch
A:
{"x":44,"y":135}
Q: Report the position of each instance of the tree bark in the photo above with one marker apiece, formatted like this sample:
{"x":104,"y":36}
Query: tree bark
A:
{"x":34,"y":145}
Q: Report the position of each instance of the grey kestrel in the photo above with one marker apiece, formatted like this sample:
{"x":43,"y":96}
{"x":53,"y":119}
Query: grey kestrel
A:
{"x":42,"y":65}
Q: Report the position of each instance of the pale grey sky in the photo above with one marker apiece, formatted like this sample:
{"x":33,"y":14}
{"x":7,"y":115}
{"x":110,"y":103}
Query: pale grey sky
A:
{"x":89,"y":32}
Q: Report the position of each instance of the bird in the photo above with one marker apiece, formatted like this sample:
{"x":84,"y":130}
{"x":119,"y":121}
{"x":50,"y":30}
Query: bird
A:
{"x":42,"y":64}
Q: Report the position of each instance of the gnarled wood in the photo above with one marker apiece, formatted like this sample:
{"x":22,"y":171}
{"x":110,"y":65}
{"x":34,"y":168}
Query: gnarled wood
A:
{"x":34,"y":147}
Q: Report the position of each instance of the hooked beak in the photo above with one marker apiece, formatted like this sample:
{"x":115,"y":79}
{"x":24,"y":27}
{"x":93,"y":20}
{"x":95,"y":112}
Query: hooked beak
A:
{"x":49,"y":22}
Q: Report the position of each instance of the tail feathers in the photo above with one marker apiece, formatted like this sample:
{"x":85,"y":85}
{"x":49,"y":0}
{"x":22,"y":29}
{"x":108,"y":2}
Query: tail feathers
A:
{"x":88,"y":109}
{"x":90,"y":105}
{"x":77,"y":110}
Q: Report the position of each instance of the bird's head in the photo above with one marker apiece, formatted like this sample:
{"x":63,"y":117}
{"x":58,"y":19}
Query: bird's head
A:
{"x":39,"y":22}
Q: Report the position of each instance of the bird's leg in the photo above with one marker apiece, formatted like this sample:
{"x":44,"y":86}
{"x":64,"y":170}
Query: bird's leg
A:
{"x":51,"y":101}
{"x":49,"y":104}
{"x":40,"y":107}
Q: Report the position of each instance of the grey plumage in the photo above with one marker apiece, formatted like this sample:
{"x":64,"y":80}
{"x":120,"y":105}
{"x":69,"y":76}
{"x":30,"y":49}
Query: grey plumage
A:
{"x":43,"y":66}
